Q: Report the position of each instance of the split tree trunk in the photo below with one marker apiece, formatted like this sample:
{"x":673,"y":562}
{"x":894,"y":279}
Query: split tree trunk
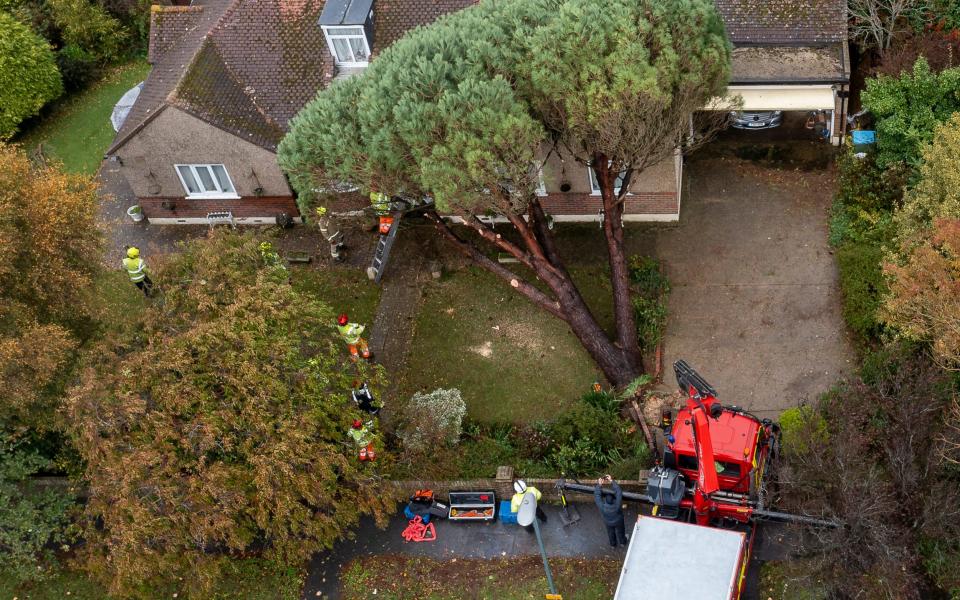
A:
{"x":538,"y":252}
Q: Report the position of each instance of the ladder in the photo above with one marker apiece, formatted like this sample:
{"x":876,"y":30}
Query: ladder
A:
{"x":384,"y":245}
{"x":222,"y":217}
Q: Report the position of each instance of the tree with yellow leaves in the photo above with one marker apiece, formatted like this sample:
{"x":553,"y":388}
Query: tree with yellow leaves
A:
{"x":220,"y":427}
{"x":50,"y":250}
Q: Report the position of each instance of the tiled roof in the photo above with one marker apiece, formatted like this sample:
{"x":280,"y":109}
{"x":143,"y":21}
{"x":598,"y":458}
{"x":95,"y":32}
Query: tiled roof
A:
{"x":248,"y":66}
{"x":259,"y":66}
{"x":169,"y":64}
{"x":168,"y":25}
{"x":393,"y":18}
{"x":784,"y":21}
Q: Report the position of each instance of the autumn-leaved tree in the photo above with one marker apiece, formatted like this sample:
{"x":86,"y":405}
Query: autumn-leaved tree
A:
{"x":924,"y":298}
{"x":463,"y":110}
{"x":50,"y":250}
{"x":220,"y":427}
{"x":923,"y":270}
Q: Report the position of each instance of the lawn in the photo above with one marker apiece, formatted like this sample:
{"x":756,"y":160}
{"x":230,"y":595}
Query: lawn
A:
{"x":511,"y":360}
{"x":76,"y":130}
{"x":402,"y":578}
{"x":344,"y":289}
{"x":249,"y":579}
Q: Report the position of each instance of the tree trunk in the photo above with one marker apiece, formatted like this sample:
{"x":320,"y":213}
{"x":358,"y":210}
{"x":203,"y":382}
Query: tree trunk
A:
{"x":624,"y":315}
{"x":540,"y":255}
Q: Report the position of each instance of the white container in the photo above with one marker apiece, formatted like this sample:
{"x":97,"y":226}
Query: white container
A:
{"x":135,"y":213}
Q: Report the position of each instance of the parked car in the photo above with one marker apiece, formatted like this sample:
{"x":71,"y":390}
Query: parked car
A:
{"x":756,"y":120}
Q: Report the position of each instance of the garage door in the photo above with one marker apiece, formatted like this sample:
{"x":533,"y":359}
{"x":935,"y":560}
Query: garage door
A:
{"x":779,"y":98}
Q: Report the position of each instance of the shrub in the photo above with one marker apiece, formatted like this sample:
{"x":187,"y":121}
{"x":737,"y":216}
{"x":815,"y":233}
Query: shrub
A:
{"x":646,"y":274}
{"x":31,"y":521}
{"x":796,"y":425}
{"x":941,"y":561}
{"x":863,"y":287}
{"x":908,"y":108}
{"x":603,"y":400}
{"x":28,"y":74}
{"x":582,"y":456}
{"x":882,"y":476}
{"x":649,"y":302}
{"x":585,"y":421}
{"x":77,"y":67}
{"x":937,"y":192}
{"x":87,"y":26}
{"x":433,"y":420}
{"x":651,"y":318}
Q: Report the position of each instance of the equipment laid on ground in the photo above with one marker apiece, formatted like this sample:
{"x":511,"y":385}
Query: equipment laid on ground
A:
{"x":420,"y":505}
{"x":687,"y":499}
{"x":418,"y":530}
{"x":389,"y":230}
{"x":472,"y":506}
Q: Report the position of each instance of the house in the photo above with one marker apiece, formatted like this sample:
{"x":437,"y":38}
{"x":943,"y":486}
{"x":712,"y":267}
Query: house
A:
{"x":228,"y":75}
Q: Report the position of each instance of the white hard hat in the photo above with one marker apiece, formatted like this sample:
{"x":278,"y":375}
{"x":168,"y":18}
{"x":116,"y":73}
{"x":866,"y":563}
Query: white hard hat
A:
{"x":520,"y":486}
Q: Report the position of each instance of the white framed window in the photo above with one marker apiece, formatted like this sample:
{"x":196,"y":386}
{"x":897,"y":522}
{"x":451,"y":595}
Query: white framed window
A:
{"x":595,"y":185}
{"x":348,"y":44}
{"x":206,"y":181}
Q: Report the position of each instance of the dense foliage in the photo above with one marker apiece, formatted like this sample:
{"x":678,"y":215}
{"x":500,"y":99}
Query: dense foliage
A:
{"x":28,"y":74}
{"x":220,"y":427}
{"x":49,"y":253}
{"x":650,"y":290}
{"x":860,"y":225}
{"x":908,"y":109}
{"x":869,"y":455}
{"x":936,"y":194}
{"x":588,"y":438}
{"x":32,"y":520}
{"x":923,"y":267}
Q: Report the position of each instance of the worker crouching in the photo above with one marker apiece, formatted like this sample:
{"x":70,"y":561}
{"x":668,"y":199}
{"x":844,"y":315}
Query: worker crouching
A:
{"x":362,"y":436}
{"x":351,"y":332}
{"x":521,"y":488}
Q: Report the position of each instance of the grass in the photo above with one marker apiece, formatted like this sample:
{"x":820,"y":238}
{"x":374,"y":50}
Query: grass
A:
{"x":345,"y":290}
{"x":249,"y":579}
{"x":402,"y":578}
{"x":511,"y":360}
{"x":76,"y":130}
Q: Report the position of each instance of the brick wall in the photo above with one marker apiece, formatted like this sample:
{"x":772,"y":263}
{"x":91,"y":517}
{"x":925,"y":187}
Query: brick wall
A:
{"x":587,"y":204}
{"x":250,"y":206}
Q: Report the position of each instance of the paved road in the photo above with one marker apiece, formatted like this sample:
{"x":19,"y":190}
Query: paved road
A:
{"x":755,"y":300}
{"x":588,"y":538}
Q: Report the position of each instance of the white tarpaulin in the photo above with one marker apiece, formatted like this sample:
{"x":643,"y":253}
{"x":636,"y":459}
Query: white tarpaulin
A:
{"x":781,"y":97}
{"x":122,"y":108}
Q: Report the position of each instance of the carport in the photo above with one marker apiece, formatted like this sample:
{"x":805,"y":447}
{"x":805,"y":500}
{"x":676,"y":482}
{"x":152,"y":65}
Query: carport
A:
{"x":792,"y":79}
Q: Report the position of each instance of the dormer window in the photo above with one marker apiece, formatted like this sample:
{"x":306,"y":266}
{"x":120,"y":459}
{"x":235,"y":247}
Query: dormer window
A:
{"x":348,"y":27}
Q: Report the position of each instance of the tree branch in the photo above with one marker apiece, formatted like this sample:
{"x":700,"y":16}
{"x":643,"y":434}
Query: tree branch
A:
{"x":532,"y":293}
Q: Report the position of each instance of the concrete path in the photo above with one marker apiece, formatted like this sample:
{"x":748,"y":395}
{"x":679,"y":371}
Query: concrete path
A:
{"x":587,"y":538}
{"x":755,"y":301}
{"x":399,"y":302}
{"x":120,"y":231}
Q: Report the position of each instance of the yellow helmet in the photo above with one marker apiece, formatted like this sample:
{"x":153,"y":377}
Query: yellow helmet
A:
{"x":133,"y":252}
{"x":322,"y":210}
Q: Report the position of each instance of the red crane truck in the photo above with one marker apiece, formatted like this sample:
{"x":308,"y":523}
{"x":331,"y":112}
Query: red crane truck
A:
{"x":708,"y":492}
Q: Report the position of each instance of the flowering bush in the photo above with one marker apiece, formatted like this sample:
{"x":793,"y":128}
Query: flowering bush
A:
{"x":433,"y":420}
